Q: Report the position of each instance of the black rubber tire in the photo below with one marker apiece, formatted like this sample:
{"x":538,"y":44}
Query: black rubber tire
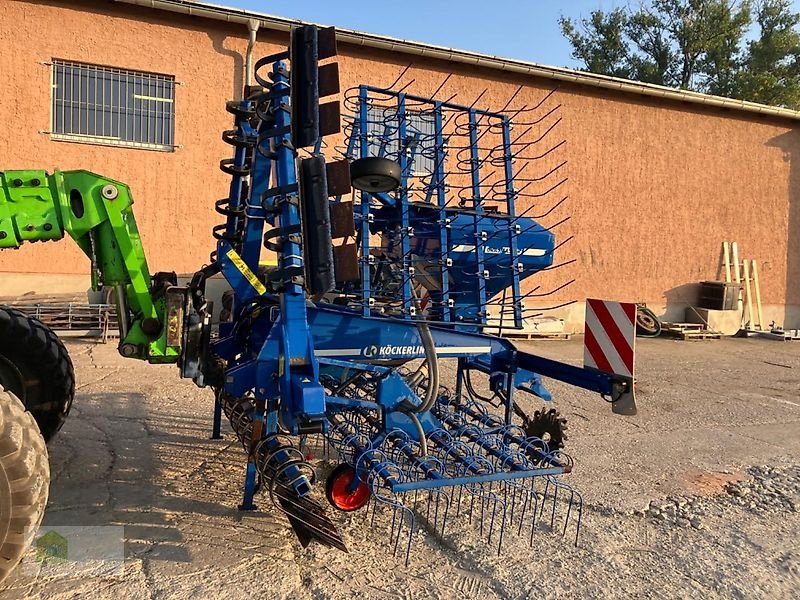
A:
{"x":47,"y":383}
{"x":24,"y":480}
{"x":647,"y":323}
{"x":375,"y":174}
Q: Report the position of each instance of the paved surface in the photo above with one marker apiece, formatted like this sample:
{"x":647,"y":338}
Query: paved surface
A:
{"x":135,"y":452}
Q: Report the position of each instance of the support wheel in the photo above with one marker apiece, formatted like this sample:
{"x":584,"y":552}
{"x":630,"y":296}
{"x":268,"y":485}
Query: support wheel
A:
{"x":24,"y":480}
{"x":35,"y":366}
{"x":549,"y":426}
{"x":337,"y":489}
{"x":375,"y":174}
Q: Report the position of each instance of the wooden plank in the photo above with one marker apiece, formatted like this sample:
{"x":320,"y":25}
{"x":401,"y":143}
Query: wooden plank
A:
{"x":691,"y":334}
{"x":758,"y":295}
{"x":682,"y":326}
{"x":726,"y":258}
{"x":524,"y":335}
{"x":736,"y":277}
{"x":750,"y":322}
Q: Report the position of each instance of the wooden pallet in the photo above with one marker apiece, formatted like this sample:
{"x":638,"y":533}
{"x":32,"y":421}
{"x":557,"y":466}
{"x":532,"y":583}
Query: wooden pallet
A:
{"x":535,"y":335}
{"x":688,"y":331}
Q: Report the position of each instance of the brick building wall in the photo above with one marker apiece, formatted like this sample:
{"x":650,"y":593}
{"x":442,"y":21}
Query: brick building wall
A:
{"x":654,"y":185}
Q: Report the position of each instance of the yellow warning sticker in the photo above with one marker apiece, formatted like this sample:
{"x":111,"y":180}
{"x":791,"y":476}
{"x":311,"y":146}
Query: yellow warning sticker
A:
{"x":245,"y":270}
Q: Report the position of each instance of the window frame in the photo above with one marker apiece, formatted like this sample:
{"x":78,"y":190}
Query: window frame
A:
{"x":121,"y":112}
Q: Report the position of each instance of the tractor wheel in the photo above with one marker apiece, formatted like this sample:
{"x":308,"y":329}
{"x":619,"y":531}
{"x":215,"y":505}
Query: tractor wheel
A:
{"x":35,"y":366}
{"x":24,"y":480}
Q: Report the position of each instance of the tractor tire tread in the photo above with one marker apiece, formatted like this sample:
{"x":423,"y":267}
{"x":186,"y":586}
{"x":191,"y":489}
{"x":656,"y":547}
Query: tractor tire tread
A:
{"x":24,"y":480}
{"x":25,"y":338}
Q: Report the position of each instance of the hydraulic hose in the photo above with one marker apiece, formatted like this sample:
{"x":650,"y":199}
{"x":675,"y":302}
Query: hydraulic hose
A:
{"x":423,"y":442}
{"x":431,"y":360}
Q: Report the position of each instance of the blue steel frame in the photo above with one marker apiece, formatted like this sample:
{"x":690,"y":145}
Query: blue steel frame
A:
{"x":448,"y":305}
{"x":278,"y":360}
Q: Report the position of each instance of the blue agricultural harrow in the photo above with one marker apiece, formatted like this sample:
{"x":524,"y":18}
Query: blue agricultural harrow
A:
{"x":367,"y":338}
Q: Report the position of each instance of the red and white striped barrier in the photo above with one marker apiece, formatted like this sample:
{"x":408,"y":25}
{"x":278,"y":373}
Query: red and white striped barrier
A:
{"x":610,"y":336}
{"x":610,"y":342}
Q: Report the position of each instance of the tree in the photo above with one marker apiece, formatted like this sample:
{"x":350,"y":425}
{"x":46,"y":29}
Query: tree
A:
{"x":771,"y":74}
{"x":601,"y":46}
{"x":696,"y":44}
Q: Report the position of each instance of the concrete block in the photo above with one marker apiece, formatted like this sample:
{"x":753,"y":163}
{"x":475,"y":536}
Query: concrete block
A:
{"x":726,"y":322}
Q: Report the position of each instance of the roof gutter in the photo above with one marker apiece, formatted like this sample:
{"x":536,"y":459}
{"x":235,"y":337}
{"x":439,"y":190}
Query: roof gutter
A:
{"x":357,"y":38}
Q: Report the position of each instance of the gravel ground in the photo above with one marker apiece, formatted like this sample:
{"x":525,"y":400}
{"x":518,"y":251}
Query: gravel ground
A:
{"x":695,"y":497}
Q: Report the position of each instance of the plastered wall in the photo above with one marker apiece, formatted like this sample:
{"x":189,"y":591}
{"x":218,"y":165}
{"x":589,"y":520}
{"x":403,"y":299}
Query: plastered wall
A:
{"x":653,"y":186}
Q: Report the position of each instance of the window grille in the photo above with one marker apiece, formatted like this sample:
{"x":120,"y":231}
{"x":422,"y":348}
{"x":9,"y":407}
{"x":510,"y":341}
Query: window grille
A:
{"x":105,"y":105}
{"x":383,"y":136}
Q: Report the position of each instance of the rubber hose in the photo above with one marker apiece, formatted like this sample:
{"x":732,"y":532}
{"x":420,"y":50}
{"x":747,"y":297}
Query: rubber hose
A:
{"x":423,"y":443}
{"x":433,"y":364}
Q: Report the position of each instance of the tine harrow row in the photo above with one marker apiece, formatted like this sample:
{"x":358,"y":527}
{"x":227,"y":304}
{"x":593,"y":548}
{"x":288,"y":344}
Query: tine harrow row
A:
{"x":475,"y":465}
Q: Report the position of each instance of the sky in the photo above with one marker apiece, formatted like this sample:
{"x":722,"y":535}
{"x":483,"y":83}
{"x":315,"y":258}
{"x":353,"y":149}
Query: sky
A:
{"x":521,"y":29}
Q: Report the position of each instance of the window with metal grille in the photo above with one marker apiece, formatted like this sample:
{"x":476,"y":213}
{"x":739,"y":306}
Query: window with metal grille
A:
{"x":383,"y":136}
{"x":105,"y":105}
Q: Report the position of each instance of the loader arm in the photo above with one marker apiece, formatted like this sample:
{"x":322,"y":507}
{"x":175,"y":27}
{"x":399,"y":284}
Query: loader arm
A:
{"x":97,"y":212}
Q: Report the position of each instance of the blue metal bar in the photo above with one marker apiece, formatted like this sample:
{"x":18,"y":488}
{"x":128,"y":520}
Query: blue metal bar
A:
{"x":350,"y":403}
{"x":429,"y":484}
{"x":363,"y":117}
{"x":293,"y":300}
{"x":260,"y":174}
{"x":346,"y":364}
{"x":451,"y":105}
{"x":588,"y":379}
{"x":237,"y":181}
{"x":290,"y":338}
{"x":477,"y":205}
{"x":441,"y":198}
{"x":512,"y":236}
{"x":405,"y":243}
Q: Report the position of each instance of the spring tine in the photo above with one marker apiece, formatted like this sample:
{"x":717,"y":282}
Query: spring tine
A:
{"x":530,"y":496}
{"x":472,"y":507}
{"x":544,"y":499}
{"x":482,"y":504}
{"x":395,"y":530}
{"x":493,"y":499}
{"x":555,"y":498}
{"x":370,"y":505}
{"x":446,"y":512}
{"x":411,"y":525}
{"x":399,"y":77}
{"x":502,"y":529}
{"x":569,"y":510}
{"x":580,"y":516}
{"x":575,"y":497}
{"x":441,"y":85}
{"x":374,"y":508}
{"x":535,"y":511}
